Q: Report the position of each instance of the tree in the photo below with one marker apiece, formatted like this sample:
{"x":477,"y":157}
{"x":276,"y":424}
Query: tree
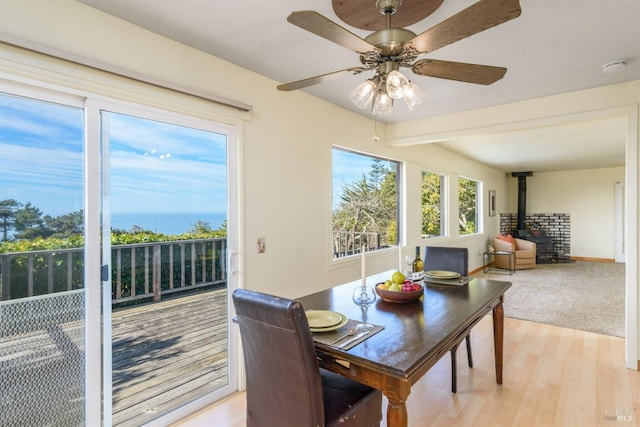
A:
{"x":29,"y":223}
{"x":8,"y":210}
{"x":467,"y":203}
{"x":369,"y":205}
{"x":201,"y":227}
{"x":431,"y":204}
{"x":65,"y":225}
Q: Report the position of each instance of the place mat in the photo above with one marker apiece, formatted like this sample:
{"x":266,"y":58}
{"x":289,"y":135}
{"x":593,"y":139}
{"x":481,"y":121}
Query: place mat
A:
{"x":327,"y":337}
{"x":463,"y":280}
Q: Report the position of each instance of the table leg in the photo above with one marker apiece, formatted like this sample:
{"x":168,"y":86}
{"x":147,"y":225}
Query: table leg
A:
{"x":397,"y":392}
{"x":498,"y":337}
{"x":397,"y":414}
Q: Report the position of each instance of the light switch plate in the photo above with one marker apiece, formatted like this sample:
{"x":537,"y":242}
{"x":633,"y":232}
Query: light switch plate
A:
{"x":261,"y":245}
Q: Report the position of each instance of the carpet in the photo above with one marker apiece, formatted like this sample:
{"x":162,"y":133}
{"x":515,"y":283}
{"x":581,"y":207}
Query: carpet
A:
{"x":584,"y":295}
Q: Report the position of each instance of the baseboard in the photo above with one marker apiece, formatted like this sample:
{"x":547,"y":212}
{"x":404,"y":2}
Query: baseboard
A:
{"x":573,"y":258}
{"x":478,"y":270}
{"x":585,"y":258}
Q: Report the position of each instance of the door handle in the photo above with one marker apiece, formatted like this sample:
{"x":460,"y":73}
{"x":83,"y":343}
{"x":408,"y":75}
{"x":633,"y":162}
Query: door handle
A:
{"x":232,"y":256}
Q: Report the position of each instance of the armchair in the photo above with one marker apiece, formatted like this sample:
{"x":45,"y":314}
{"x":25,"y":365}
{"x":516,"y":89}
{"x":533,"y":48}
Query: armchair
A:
{"x":525,"y":252}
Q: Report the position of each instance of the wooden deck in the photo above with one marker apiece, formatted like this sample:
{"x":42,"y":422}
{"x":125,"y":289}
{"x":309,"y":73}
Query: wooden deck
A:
{"x":165,"y":354}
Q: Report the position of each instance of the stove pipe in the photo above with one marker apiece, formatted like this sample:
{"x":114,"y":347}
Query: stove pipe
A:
{"x":522,"y":196}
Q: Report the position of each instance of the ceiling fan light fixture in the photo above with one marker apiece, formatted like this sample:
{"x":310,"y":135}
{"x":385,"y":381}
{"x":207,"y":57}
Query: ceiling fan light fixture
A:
{"x":397,"y":84}
{"x":413,"y":95}
{"x":382,"y":104}
{"x":362,"y":94}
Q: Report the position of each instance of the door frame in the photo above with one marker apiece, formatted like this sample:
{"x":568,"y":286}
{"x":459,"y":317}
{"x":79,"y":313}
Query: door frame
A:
{"x":40,"y":75}
{"x":619,"y":218}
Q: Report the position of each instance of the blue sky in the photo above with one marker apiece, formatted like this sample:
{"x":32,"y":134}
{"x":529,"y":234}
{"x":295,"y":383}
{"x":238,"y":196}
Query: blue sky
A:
{"x":41,"y":155}
{"x":348,"y":167}
{"x":155,"y":167}
{"x":166,"y":168}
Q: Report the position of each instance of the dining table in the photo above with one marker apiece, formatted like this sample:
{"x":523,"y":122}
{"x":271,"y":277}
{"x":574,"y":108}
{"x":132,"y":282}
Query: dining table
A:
{"x":413,"y":337}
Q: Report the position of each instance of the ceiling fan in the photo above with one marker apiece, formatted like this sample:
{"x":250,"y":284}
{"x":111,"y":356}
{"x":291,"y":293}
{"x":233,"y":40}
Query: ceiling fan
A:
{"x":386,"y":50}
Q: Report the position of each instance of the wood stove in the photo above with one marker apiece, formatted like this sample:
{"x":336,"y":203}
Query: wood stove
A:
{"x":545,"y":245}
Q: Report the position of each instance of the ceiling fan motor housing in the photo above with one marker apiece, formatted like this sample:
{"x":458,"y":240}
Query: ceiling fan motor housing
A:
{"x":388,"y":7}
{"x":390,"y":41}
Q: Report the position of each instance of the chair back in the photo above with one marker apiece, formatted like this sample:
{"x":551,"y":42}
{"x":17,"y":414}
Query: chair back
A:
{"x":284,"y":387}
{"x":446,"y":258}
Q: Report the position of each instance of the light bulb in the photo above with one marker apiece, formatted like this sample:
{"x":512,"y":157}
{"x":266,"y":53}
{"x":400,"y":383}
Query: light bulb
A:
{"x":396,"y":84}
{"x":382,"y":105}
{"x":363,"y":93}
{"x":413,"y":95}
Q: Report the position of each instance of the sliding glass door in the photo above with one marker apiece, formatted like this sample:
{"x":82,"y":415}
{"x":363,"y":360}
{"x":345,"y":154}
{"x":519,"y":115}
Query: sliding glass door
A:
{"x":116,"y":225}
{"x":42,"y":295}
{"x":165,"y":238}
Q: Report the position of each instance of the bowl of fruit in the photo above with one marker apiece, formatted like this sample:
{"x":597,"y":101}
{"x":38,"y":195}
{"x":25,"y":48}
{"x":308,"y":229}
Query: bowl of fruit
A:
{"x":398,"y":289}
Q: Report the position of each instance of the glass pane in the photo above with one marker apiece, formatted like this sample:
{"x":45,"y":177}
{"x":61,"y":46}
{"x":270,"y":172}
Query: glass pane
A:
{"x":41,"y":264}
{"x":468,"y":206}
{"x":168,"y":211}
{"x":365,"y":202}
{"x":432,"y":202}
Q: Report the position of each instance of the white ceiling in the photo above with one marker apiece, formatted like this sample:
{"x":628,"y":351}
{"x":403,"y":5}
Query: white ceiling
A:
{"x":555,"y":46}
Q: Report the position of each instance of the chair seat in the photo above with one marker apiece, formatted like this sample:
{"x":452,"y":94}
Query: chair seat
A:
{"x":346,"y":402}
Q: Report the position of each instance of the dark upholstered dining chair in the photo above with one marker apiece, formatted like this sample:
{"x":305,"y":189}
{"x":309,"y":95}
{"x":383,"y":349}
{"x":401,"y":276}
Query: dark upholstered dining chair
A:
{"x":285,"y":385}
{"x":450,"y":259}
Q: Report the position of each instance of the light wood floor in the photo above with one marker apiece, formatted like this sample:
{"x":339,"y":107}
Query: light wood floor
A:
{"x":552,"y":377}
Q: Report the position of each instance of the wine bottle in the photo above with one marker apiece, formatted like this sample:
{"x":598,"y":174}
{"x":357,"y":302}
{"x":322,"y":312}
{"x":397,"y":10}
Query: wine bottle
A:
{"x":417,"y":267}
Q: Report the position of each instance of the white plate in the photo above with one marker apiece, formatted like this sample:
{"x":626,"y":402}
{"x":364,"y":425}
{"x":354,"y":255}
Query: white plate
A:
{"x":344,"y":320}
{"x":322,"y":318}
{"x":442,"y":274}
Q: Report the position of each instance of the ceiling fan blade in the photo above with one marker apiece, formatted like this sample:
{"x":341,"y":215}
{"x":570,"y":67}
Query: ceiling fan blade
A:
{"x":319,"y":79}
{"x":472,"y":20}
{"x":326,"y":28}
{"x":460,"y":71}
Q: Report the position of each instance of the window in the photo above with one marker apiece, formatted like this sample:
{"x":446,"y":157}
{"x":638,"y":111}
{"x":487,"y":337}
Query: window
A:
{"x":365,"y":202}
{"x":432,"y":203}
{"x":468,"y":191}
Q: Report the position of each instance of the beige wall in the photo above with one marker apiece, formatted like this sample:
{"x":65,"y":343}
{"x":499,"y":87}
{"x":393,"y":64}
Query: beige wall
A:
{"x":586,"y":195}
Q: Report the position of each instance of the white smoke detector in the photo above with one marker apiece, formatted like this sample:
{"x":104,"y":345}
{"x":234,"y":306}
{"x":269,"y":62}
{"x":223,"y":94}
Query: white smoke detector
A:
{"x":614,"y":66}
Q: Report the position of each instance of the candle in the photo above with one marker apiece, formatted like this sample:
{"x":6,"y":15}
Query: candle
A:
{"x":399,"y":258}
{"x":364,"y":268}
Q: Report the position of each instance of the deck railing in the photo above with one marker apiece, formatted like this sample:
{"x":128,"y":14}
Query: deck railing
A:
{"x":138,"y":271}
{"x":347,"y":243}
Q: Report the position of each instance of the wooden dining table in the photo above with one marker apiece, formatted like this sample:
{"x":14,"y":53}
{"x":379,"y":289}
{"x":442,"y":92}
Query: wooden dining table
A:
{"x":415,"y":335}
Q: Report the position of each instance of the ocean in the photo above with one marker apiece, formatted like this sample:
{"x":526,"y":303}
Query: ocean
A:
{"x":166,"y":223}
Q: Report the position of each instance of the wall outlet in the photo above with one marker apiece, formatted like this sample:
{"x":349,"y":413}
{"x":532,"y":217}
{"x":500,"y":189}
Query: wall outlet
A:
{"x":262,"y":245}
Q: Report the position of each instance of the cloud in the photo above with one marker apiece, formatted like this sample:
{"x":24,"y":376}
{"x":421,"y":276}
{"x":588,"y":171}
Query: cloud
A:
{"x":153,"y":166}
